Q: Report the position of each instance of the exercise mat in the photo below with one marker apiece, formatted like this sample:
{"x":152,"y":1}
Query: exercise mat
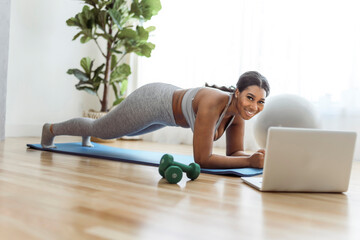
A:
{"x":136,"y":156}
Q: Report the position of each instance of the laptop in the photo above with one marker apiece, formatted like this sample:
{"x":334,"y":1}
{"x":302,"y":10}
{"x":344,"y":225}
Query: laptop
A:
{"x":306,"y":160}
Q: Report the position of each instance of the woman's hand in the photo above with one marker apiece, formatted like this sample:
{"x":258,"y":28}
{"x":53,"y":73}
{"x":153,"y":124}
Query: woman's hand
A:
{"x":257,"y":159}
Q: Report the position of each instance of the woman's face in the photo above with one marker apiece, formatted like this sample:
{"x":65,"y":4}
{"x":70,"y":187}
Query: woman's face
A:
{"x":250,"y":101}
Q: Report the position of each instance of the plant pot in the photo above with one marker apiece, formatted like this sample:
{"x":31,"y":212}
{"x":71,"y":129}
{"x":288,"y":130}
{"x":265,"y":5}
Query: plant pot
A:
{"x":96,"y":115}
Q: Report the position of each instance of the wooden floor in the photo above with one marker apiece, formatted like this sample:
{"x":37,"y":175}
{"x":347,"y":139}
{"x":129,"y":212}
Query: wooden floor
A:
{"x":46,"y":195}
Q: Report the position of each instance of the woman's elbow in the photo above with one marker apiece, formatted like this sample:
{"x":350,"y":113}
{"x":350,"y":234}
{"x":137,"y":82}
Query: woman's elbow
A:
{"x":202,"y":161}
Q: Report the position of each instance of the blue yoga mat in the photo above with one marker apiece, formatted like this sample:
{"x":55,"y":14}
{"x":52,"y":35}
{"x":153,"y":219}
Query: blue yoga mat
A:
{"x":136,"y":156}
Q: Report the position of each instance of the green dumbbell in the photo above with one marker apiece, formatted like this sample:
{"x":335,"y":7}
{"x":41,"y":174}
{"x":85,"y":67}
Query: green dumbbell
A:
{"x":167,"y":161}
{"x":173,"y":174}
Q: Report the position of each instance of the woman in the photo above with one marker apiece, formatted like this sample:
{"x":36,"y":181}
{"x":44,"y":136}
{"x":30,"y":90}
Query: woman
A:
{"x":209,"y":112}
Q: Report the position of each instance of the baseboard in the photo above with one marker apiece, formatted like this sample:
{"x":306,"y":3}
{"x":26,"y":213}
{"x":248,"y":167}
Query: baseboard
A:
{"x":23,"y":130}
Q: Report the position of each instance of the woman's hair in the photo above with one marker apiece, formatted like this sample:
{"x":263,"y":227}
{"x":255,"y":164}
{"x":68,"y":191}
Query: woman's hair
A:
{"x":246,"y":80}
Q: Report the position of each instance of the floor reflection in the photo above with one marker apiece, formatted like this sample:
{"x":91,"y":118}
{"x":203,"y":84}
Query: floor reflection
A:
{"x":323,"y":215}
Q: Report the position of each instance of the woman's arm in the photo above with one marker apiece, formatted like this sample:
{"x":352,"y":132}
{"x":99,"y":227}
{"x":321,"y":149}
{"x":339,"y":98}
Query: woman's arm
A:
{"x":235,"y":144}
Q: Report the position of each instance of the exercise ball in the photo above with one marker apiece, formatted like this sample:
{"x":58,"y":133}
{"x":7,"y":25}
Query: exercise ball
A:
{"x":285,"y":110}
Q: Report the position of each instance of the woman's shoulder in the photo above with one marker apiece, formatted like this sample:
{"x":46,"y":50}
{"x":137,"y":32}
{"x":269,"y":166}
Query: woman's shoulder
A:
{"x":211,"y":99}
{"x":214,"y":95}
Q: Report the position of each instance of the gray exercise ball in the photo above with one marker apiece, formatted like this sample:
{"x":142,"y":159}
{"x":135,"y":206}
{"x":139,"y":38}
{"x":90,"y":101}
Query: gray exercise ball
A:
{"x":285,"y":110}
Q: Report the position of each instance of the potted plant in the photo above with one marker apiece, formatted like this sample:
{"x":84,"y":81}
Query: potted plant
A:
{"x":116,"y":26}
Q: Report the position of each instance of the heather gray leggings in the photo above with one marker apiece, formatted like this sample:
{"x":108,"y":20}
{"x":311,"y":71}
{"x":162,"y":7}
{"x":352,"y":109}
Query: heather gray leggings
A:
{"x":145,"y":110}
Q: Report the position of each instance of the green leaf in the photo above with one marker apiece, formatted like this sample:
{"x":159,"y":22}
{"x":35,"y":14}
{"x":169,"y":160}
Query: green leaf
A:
{"x":145,"y":49}
{"x":116,"y":51}
{"x":93,"y":17}
{"x":150,"y":45}
{"x":82,"y":17}
{"x":86,"y":12}
{"x":150,"y":29}
{"x":101,"y":19}
{"x":150,"y":8}
{"x":85,"y":39}
{"x":86,"y":89}
{"x":142,"y":33}
{"x":86,"y":64}
{"x":115,"y":90}
{"x":97,"y":82}
{"x":72,"y":22}
{"x":124,"y":86}
{"x":127,"y":33}
{"x":116,"y":17}
{"x":85,"y":19}
{"x":77,"y":35}
{"x":135,"y":8}
{"x":99,"y":69}
{"x":79,"y":74}
{"x":120,"y":73}
{"x":118,"y":101}
{"x":113,"y":62}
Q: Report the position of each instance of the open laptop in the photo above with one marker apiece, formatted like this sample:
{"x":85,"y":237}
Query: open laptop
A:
{"x":306,"y":160}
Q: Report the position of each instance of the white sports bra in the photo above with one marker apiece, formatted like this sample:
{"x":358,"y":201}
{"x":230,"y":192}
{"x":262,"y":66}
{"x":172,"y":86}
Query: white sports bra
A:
{"x":189,"y":114}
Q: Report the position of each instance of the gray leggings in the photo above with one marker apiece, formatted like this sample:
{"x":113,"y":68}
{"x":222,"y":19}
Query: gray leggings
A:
{"x":147,"y":109}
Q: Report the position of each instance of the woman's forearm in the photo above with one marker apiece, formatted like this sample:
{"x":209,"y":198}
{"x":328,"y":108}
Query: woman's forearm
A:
{"x":240,"y":153}
{"x":219,"y":161}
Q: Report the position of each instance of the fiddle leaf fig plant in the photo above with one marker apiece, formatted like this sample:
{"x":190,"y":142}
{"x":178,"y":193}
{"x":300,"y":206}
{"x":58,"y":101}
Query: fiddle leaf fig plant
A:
{"x":118,"y":24}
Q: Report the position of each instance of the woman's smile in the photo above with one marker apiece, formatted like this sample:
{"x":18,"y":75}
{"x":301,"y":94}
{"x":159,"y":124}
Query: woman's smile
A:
{"x":250,"y":113}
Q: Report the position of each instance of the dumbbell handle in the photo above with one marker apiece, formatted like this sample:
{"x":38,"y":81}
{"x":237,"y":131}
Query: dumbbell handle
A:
{"x":183,"y":167}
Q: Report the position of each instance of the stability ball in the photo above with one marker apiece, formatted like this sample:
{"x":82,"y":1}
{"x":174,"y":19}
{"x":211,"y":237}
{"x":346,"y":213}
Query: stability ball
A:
{"x":285,"y":110}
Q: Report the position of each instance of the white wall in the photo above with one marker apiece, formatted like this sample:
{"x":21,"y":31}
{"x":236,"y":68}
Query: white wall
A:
{"x":41,"y":50}
{"x":4,"y":46}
